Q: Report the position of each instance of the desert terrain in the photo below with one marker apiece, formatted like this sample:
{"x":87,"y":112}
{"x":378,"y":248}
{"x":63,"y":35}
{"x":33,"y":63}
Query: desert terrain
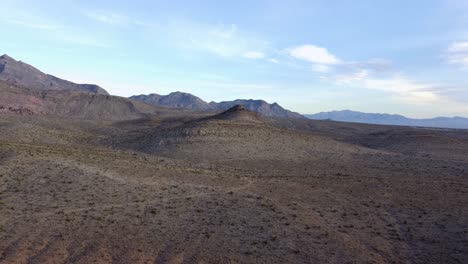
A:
{"x":86,"y":177}
{"x":179,"y":186}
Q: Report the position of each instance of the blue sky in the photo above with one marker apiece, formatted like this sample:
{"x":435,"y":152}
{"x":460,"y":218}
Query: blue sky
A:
{"x":404,"y":57}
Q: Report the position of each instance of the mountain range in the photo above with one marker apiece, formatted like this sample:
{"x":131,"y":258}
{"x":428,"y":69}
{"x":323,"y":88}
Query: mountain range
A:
{"x":20,"y":74}
{"x":186,"y":100}
{"x":388,"y":119}
{"x":25,"y":89}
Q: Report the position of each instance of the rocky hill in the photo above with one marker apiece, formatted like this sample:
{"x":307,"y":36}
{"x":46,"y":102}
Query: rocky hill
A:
{"x":22,"y":74}
{"x":258,"y":106}
{"x":234,"y":136}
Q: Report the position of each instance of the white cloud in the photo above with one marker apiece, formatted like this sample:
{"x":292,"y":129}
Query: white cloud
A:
{"x":375,"y":74}
{"x":273,"y":60}
{"x":458,"y":47}
{"x":457,"y":53}
{"x":314,"y":54}
{"x":255,"y":55}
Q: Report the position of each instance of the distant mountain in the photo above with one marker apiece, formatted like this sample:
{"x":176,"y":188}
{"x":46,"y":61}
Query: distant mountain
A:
{"x":186,"y":100}
{"x":22,"y":74}
{"x":387,"y":119}
{"x":176,"y":99}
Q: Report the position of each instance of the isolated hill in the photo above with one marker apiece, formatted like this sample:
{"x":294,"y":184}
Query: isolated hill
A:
{"x":237,"y":113}
{"x":235,"y":136}
{"x":186,"y":100}
{"x":22,"y":74}
{"x":387,"y":119}
{"x":259,"y":106}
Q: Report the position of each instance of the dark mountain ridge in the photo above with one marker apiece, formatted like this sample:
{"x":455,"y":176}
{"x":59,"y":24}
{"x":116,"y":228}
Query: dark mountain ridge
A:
{"x":186,"y":100}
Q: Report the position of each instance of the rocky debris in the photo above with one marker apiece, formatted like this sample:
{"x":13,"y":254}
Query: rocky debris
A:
{"x":18,"y":110}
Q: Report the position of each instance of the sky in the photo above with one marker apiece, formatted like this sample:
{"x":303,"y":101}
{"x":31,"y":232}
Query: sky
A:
{"x":399,"y":57}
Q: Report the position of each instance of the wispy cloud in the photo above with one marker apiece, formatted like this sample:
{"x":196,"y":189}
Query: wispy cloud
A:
{"x":457,"y":53}
{"x":33,"y":25}
{"x":255,"y":55}
{"x":272,"y":60}
{"x":108,"y":18}
{"x":27,"y":20}
{"x":116,"y":19}
{"x":54,"y":29}
{"x":83,"y":40}
{"x":222,"y":40}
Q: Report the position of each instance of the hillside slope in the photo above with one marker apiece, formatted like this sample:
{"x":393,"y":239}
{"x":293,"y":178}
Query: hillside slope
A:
{"x":24,"y":101}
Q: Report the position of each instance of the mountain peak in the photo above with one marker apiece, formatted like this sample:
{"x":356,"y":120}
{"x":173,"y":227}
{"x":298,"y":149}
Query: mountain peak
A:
{"x":6,"y":57}
{"x":23,"y":74}
{"x":175,"y":99}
